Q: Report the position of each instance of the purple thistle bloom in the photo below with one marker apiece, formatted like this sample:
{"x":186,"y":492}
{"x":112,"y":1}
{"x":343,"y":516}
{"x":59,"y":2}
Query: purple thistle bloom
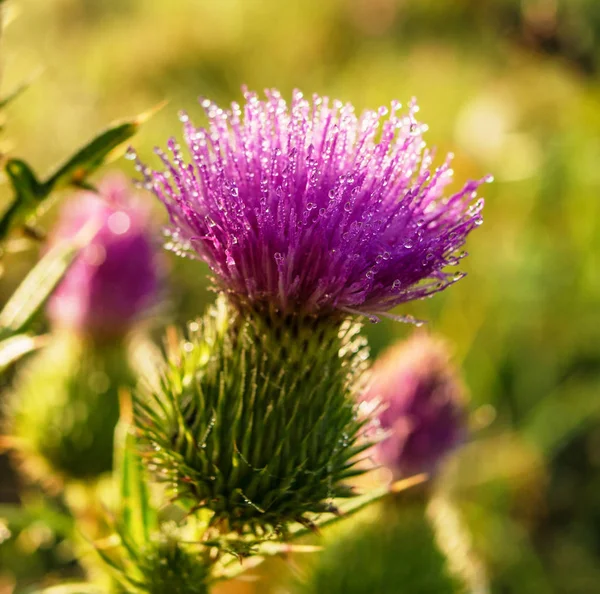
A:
{"x":421,"y":404}
{"x":310,"y":208}
{"x":116,"y":275}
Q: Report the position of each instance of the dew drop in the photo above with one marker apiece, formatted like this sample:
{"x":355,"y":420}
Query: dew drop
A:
{"x":130,"y":154}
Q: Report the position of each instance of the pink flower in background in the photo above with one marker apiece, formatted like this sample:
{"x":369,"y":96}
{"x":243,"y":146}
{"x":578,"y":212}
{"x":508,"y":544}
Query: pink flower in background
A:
{"x":421,"y":403}
{"x":115,"y":278}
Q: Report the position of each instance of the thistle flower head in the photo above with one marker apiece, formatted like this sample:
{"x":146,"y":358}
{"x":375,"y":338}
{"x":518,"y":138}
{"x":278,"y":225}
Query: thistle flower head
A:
{"x":115,"y":277}
{"x":421,"y":404}
{"x":309,"y":207}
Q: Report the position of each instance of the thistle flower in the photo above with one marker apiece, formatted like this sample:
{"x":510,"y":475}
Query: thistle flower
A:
{"x":305,"y":214}
{"x":115,"y":277}
{"x":312,"y":209}
{"x":421,"y":404}
{"x":65,"y":405}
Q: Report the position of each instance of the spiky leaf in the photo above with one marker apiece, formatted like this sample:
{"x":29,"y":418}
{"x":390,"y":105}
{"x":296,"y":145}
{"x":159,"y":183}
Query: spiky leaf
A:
{"x":30,"y":193}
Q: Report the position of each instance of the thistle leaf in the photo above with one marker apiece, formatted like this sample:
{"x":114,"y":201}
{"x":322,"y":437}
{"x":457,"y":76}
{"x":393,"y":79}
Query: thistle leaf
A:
{"x":30,"y":193}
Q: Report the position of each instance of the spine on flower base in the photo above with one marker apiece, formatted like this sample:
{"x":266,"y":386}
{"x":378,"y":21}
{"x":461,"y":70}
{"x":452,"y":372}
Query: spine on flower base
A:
{"x":266,"y":431}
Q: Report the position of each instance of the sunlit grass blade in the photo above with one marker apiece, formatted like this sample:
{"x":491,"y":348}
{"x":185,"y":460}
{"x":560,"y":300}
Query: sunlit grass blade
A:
{"x":137,"y":519}
{"x":13,"y":348}
{"x":33,"y":292}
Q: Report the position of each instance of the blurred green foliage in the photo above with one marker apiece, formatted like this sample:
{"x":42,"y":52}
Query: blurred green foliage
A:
{"x":389,"y":549}
{"x":512,"y":87}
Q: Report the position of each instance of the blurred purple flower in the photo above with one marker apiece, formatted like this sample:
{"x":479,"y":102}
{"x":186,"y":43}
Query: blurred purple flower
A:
{"x":116,"y":277}
{"x":310,"y":208}
{"x":421,"y":404}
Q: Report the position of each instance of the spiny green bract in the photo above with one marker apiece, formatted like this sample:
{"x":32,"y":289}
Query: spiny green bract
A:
{"x":255,"y":417}
{"x":65,"y":407}
{"x":165,"y":567}
{"x":168,"y":568}
{"x":390,"y":549}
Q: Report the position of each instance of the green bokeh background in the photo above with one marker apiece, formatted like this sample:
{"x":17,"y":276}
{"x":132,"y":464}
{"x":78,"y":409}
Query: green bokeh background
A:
{"x":510,"y":86}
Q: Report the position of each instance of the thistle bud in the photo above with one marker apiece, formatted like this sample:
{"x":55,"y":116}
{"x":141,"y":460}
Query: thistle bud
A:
{"x":165,"y":565}
{"x":255,"y":418}
{"x":115,"y":277}
{"x":389,"y":549}
{"x":64,"y":409}
{"x":65,"y":406}
{"x":421,"y":403}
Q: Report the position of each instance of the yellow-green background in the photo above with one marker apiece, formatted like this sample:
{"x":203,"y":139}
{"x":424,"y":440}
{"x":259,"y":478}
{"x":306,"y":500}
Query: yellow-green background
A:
{"x":510,"y":86}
